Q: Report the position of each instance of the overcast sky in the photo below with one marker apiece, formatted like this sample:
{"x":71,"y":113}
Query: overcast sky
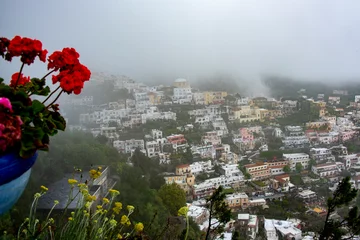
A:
{"x":167,"y":39}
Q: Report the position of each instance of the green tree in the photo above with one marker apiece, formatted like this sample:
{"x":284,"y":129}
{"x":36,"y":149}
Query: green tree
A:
{"x":312,"y":162}
{"x":287,"y":169}
{"x":173,"y":197}
{"x":102,"y":139}
{"x":350,"y":225}
{"x":298,"y":167}
{"x":217,"y":209}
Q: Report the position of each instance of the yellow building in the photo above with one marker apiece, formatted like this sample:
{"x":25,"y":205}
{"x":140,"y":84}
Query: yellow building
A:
{"x":248,"y":113}
{"x":183,"y":169}
{"x":184,"y":181}
{"x":154,"y":98}
{"x":214,"y":97}
{"x":237,"y":200}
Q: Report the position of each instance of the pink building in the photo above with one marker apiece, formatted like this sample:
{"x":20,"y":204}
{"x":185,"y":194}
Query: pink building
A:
{"x":346,"y":136}
{"x":246,"y":135}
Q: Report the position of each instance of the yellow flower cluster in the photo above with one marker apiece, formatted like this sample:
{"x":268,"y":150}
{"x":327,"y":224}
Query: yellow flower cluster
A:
{"x":117,"y":207}
{"x":183,"y":211}
{"x":130,"y":208}
{"x":114,"y":192}
{"x":139,"y":227}
{"x":106,"y":201}
{"x":125,"y":220}
{"x":45,"y":189}
{"x":90,"y":198}
{"x":72,"y":181}
{"x":94,"y":174}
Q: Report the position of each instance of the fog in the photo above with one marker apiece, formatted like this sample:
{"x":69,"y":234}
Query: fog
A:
{"x":161,"y":40}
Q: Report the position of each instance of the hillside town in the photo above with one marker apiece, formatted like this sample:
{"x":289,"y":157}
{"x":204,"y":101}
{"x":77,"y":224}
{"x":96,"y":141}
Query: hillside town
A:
{"x":259,"y":149}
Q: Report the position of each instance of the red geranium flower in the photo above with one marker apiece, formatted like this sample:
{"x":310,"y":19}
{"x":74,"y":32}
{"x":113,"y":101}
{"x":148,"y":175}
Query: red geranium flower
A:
{"x":22,"y":80}
{"x":72,"y":80}
{"x":27,"y":48}
{"x":64,"y":59}
{"x":4,"y":43}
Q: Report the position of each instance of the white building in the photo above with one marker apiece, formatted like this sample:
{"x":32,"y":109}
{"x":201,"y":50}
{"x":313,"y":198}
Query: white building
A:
{"x":295,"y":158}
{"x":204,"y":120}
{"x":321,"y":154}
{"x":156,"y":134}
{"x":199,"y":98}
{"x":286,"y":228}
{"x":324,"y":170}
{"x":357,"y":98}
{"x":199,"y":167}
{"x":182,"y":95}
{"x":207,"y":187}
{"x":219,"y":126}
{"x":152,"y":148}
{"x":129,"y":145}
{"x":231,"y":170}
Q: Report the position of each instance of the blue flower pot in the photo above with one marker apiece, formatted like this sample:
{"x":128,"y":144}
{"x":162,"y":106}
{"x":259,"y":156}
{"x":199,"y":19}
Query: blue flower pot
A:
{"x":14,"y":176}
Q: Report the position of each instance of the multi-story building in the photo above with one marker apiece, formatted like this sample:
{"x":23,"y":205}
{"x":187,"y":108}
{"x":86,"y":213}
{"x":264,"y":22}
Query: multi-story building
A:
{"x":156,"y":134}
{"x":184,"y":181}
{"x":321,"y":154}
{"x":211,"y":138}
{"x":214,"y":97}
{"x":307,"y":196}
{"x":207,"y":187}
{"x":339,"y":150}
{"x":198,"y":214}
{"x":237,"y":200}
{"x":295,"y":158}
{"x":276,"y":166}
{"x":183,"y":169}
{"x":251,"y":222}
{"x":220,"y":126}
{"x":129,"y":145}
{"x":334,"y":100}
{"x":177,"y":141}
{"x":325,"y":170}
{"x":349,"y":160}
{"x":203,"y":121}
{"x":230,"y":170}
{"x":258,"y":171}
{"x":198,"y":98}
{"x":199,"y":167}
{"x":152,"y":148}
{"x":182,"y":95}
{"x":246,"y":114}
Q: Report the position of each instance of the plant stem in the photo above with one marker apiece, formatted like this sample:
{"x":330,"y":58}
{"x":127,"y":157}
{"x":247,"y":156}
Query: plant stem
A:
{"x":51,"y":94}
{"x":47,"y":74}
{"x":21,"y":68}
{"x":187,"y":227}
{"x":55,"y":99}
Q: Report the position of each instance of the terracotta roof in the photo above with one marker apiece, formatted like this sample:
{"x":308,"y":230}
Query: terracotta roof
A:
{"x":183,"y":166}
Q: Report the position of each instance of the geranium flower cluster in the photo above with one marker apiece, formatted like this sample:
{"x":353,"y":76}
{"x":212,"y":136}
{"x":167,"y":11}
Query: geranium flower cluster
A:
{"x":26,"y":48}
{"x":72,"y":74}
{"x":10,"y":125}
{"x":18,"y":131}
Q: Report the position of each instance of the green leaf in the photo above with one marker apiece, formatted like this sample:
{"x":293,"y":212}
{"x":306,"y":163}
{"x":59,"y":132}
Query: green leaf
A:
{"x":37,"y":106}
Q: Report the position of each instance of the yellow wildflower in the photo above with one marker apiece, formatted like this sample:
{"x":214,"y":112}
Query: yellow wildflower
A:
{"x":90,"y":198}
{"x":139,"y":227}
{"x":99,"y":168}
{"x":70,"y":218}
{"x":114,"y":192}
{"x":117,"y":208}
{"x":37,"y":195}
{"x":82,"y":185}
{"x":99,"y":207}
{"x":113,"y":222}
{"x":183,"y":211}
{"x":94,"y":174}
{"x":130,"y":208}
{"x":105,"y":200}
{"x":45,"y":189}
{"x":125,"y":220}
{"x":56,"y":202}
{"x":72,"y":214}
{"x":72,"y":181}
{"x":119,"y":236}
